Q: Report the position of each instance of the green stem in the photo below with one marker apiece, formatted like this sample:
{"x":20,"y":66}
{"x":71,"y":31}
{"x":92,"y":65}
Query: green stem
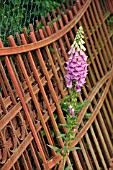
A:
{"x":66,"y":145}
{"x":63,"y":163}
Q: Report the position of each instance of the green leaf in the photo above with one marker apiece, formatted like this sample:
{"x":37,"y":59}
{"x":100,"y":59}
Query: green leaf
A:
{"x":65,"y":150}
{"x":65,"y":125}
{"x":74,"y":148}
{"x":43,"y":133}
{"x":83,"y":103}
{"x":54,"y":148}
{"x":65,"y":98}
{"x":52,"y":133}
{"x":76,"y":110}
{"x":75,"y":138}
{"x":52,"y":49}
{"x":61,"y":135}
{"x":65,"y":109}
{"x":39,"y":155}
{"x":87,"y":115}
{"x":55,"y":116}
{"x":68,"y":167}
{"x":80,"y":105}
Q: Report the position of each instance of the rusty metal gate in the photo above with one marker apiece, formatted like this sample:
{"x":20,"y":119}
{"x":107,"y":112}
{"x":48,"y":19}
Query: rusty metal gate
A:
{"x":32,"y":86}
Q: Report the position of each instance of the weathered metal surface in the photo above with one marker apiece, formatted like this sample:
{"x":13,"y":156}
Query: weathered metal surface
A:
{"x":32,"y":86}
{"x":110,"y":5}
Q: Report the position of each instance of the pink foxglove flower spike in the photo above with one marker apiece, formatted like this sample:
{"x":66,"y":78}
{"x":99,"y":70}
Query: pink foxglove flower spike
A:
{"x":76,"y":65}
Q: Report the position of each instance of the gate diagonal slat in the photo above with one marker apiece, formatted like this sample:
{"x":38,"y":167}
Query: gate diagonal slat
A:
{"x":32,"y":86}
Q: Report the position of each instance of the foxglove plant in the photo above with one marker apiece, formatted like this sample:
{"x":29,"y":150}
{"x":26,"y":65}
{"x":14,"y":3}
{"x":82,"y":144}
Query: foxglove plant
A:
{"x":76,"y":68}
